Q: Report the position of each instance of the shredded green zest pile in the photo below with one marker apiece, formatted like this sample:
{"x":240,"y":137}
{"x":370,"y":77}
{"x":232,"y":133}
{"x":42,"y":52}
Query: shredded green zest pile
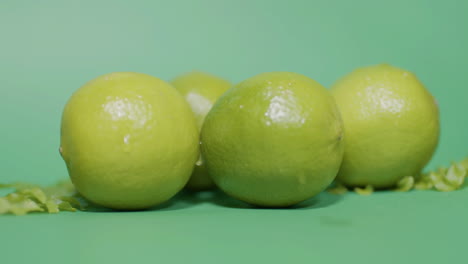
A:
{"x":27,"y":198}
{"x":337,"y":189}
{"x":405,"y":184}
{"x":441,"y":179}
{"x":368,"y":190}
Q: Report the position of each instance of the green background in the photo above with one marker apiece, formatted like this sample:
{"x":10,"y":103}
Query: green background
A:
{"x":48,"y":49}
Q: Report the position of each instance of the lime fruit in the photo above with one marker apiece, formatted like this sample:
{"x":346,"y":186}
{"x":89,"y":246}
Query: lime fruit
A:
{"x":200,"y":90}
{"x":391,"y":123}
{"x":273,"y":140}
{"x":129,"y":140}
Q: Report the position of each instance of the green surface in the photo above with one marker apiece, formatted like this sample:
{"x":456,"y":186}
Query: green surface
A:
{"x":50,"y":48}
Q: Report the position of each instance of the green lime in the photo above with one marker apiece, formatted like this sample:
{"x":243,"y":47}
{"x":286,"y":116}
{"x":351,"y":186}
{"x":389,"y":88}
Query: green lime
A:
{"x":129,"y":140}
{"x":200,"y":90}
{"x":391,"y":123}
{"x":273,"y":140}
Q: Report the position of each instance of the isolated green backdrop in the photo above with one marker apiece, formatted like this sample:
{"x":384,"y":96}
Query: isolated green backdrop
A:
{"x":48,"y":49}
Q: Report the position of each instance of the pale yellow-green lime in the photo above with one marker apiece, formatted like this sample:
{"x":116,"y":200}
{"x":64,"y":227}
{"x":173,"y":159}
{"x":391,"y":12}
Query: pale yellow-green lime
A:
{"x":129,"y":140}
{"x":391,"y":123}
{"x":200,"y":90}
{"x":273,"y":140}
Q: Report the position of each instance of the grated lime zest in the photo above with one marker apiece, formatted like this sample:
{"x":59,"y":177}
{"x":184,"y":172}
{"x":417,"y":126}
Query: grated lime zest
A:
{"x":405,"y":184}
{"x":26,"y":198}
{"x":337,"y":189}
{"x":368,"y":190}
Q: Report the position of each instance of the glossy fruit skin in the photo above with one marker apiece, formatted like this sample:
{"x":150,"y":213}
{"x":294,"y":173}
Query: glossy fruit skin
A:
{"x":391,"y":124}
{"x":200,"y":90}
{"x":129,"y":140}
{"x":273,"y":140}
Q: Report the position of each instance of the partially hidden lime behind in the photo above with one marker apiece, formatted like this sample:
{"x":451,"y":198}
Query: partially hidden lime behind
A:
{"x":391,"y":123}
{"x":200,"y":90}
{"x":129,"y":140}
{"x":273,"y":140}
